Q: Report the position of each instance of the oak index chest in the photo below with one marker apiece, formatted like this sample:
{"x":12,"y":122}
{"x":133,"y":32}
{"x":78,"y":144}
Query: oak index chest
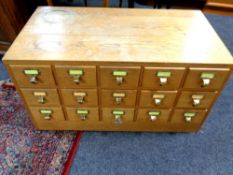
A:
{"x":118,"y":69}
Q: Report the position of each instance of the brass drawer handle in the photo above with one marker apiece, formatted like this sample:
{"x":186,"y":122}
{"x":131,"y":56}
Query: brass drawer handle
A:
{"x":197,"y":99}
{"x":83,"y":113}
{"x":40,"y":97}
{"x":76,"y":74}
{"x":206,"y":78}
{"x":153,"y":115}
{"x":118,"y":116}
{"x":118,"y":97}
{"x":119,"y":76}
{"x":80,"y":96}
{"x":47,"y":113}
{"x":188,"y":116}
{"x":163,"y":77}
{"x":158,"y":98}
{"x":33,"y":75}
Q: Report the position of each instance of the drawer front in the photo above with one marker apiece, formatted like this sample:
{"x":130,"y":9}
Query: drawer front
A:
{"x":75,"y":76}
{"x":153,"y":115}
{"x":117,"y":116}
{"x":119,"y":77}
{"x":33,"y":76}
{"x":162,"y":77}
{"x":122,"y":98}
{"x":188,"y":116}
{"x":47,"y":114}
{"x":189,"y":99}
{"x":83,"y":114}
{"x":41,"y":97}
{"x":157,"y":98}
{"x":85,"y":97}
{"x":206,"y":78}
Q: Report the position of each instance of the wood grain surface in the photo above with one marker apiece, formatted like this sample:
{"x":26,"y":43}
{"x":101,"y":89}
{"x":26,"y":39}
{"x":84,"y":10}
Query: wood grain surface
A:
{"x":122,"y":35}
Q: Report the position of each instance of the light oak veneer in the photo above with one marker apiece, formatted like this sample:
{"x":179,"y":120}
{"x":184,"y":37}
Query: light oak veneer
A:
{"x":166,"y":54}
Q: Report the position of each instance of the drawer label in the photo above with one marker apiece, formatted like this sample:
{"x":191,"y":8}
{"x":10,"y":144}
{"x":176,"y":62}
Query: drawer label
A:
{"x":31,"y":72}
{"x":190,"y":114}
{"x":119,"y":73}
{"x":196,"y":96}
{"x":115,"y":94}
{"x":163,"y":74}
{"x":207,"y":75}
{"x":46,"y":111}
{"x":76,"y":72}
{"x":82,"y":111}
{"x":79,"y":94}
{"x":39,"y":94}
{"x":117,"y":112}
{"x":158,"y":96}
{"x":154,"y":113}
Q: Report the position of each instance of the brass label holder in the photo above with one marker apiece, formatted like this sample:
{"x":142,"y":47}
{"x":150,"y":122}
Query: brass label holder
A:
{"x":118,"y":97}
{"x":47,"y":113}
{"x":83,"y":113}
{"x":119,"y":76}
{"x":206,"y":78}
{"x":153,"y":115}
{"x":40,"y":97}
{"x":158,"y":98}
{"x":118,"y":114}
{"x":196,"y":99}
{"x":33,"y":75}
{"x":80,"y":96}
{"x":189,"y":116}
{"x":76,"y":74}
{"x":163,"y":77}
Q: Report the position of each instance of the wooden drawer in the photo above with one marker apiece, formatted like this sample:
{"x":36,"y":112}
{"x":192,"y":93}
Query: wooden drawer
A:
{"x":121,"y":98}
{"x":41,"y":97}
{"x":153,"y":115}
{"x":90,"y":115}
{"x":85,"y":97}
{"x":162,"y":77}
{"x":75,"y":76}
{"x":119,"y":77}
{"x":33,"y":76}
{"x":157,"y":98}
{"x":47,"y":114}
{"x":206,"y":78}
{"x":189,"y":99}
{"x":117,"y":115}
{"x":188,"y":116}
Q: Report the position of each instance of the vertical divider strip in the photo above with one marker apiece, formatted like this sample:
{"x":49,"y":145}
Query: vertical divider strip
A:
{"x":99,"y":94}
{"x":179,"y":90}
{"x":136,"y":108}
{"x":53,"y":69}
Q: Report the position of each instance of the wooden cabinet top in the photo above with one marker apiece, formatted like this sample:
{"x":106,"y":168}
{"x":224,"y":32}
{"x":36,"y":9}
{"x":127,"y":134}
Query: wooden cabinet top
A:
{"x":119,"y":35}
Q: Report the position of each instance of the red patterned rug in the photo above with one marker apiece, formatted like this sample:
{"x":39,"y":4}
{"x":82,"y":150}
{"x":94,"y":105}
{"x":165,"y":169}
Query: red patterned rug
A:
{"x":25,"y":150}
